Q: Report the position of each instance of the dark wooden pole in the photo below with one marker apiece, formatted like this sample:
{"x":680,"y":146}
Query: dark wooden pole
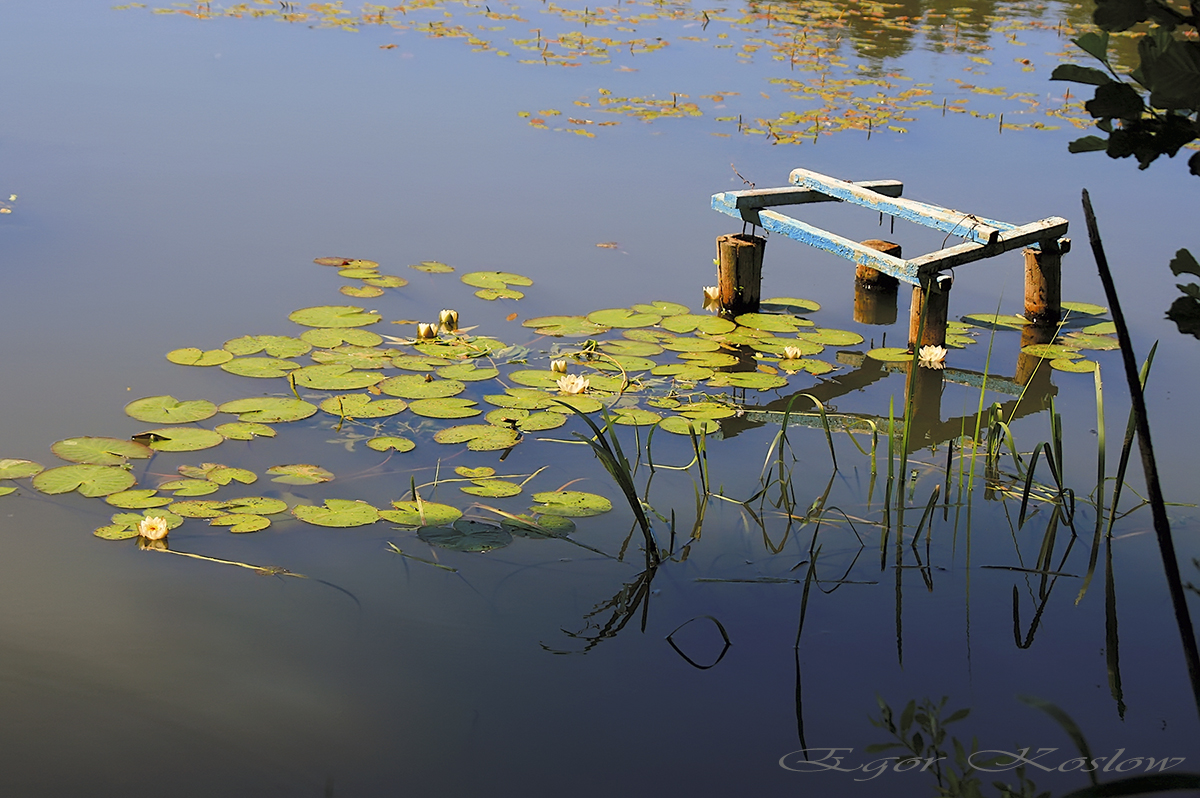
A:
{"x":1043,"y":283}
{"x":739,"y":272}
{"x":874,"y":291}
{"x":935,"y":303}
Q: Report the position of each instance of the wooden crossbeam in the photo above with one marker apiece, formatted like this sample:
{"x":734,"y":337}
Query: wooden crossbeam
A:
{"x":746,"y":204}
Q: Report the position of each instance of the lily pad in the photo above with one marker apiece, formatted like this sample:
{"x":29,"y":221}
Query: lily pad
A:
{"x":536,"y":378}
{"x":1103,"y":328}
{"x":11,"y":468}
{"x":182,"y":439}
{"x":386,"y":281}
{"x":546,"y":526}
{"x":255,"y":505}
{"x":1078,"y":366}
{"x":682,"y":425}
{"x":831,"y":337}
{"x":712,"y":360}
{"x":331,"y":261}
{"x":570,"y":503}
{"x":747,"y":379}
{"x":524,"y":420}
{"x":779,"y":347}
{"x":137,"y":499}
{"x":494,"y":279}
{"x":464,"y":535}
{"x":492,"y":488}
{"x":89,"y":480}
{"x":712,"y":410}
{"x":959,"y":341}
{"x":647,"y":335}
{"x":414,"y":514}
{"x":340,"y":513}
{"x":415,"y":386}
{"x":333,"y":316}
{"x":689,"y":322}
{"x":770,"y":322}
{"x":244,"y":430}
{"x":623,"y":346}
{"x":575,"y":326}
{"x":813,"y":367}
{"x":432,"y":267}
{"x":542,"y":400}
{"x":391,"y":443}
{"x":300,"y":474}
{"x":190,"y":487}
{"x":335,"y":378}
{"x":689,"y":344}
{"x":418,"y":362}
{"x":684,"y":372}
{"x":636,"y":417}
{"x":623,"y":318}
{"x":269,"y":409}
{"x":192,"y":356}
{"x":220,"y":474}
{"x":358,"y":405}
{"x":584,"y":404}
{"x":357,"y":273}
{"x":791,"y":305}
{"x":1084,"y":308}
{"x":359,"y":357}
{"x":280,"y":346}
{"x":169,"y":410}
{"x":124,"y":526}
{"x":444,"y":408}
{"x":1094,"y":342}
{"x":361,"y":291}
{"x":662,"y":308}
{"x":261,"y":367}
{"x":480,"y":437}
{"x":491,"y":294}
{"x":482,"y":472}
{"x":198,"y":508}
{"x":996,"y":321}
{"x":1050,"y":351}
{"x":890,"y":354}
{"x":241,"y":523}
{"x":328,"y":339}
{"x":467,"y":372}
{"x":627,"y":362}
{"x":100,"y":451}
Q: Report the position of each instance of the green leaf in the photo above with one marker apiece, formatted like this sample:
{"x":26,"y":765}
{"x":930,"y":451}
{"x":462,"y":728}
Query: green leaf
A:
{"x":414,"y":514}
{"x":5,"y":490}
{"x":169,"y":410}
{"x":261,"y":367}
{"x":494,"y":280}
{"x":328,"y":339}
{"x":1184,"y":263}
{"x":623,"y":318}
{"x":124,"y":526}
{"x":89,"y":480}
{"x":191,"y":356}
{"x":712,"y":360}
{"x":493,"y":488}
{"x":1095,"y":45}
{"x":805,"y":364}
{"x":682,"y":425}
{"x":1084,"y":308}
{"x":689,"y":322}
{"x":770,"y":322}
{"x":1094,"y":342}
{"x":11,"y":468}
{"x":360,"y":405}
{"x":633,"y":416}
{"x":830,"y":337}
{"x":415,"y":386}
{"x":689,"y":344}
{"x":466,"y":536}
{"x":333,"y":316}
{"x":335,"y":378}
{"x":707,"y":410}
{"x":137,"y":499}
{"x":359,"y":357}
{"x":300,"y":474}
{"x":340,"y":513}
{"x":254,"y":505}
{"x":1088,"y":144}
{"x":575,"y":326}
{"x":583,"y":404}
{"x":198,"y":508}
{"x":499,"y":293}
{"x":190,"y":487}
{"x":280,"y":346}
{"x":482,"y":472}
{"x":444,"y":408}
{"x":1077,"y":366}
{"x":418,"y":362}
{"x":996,"y":321}
{"x":623,"y":346}
{"x":361,"y":291}
{"x":244,"y":430}
{"x":747,"y":379}
{"x":386,"y":281}
{"x":468,"y":372}
{"x":536,"y":378}
{"x":100,"y":451}
{"x":479,"y":437}
{"x":1080,"y":74}
{"x":241,"y":523}
{"x":182,"y":439}
{"x":570,"y":503}
{"x":788,"y":304}
{"x":684,"y":372}
{"x":391,"y":442}
{"x":546,"y":526}
{"x":662,"y":308}
{"x":432,"y":267}
{"x":269,"y":409}
{"x":1115,"y":101}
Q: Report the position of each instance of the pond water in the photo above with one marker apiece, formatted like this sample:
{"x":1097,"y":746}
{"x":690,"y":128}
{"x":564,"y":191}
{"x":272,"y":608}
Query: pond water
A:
{"x":175,"y":177}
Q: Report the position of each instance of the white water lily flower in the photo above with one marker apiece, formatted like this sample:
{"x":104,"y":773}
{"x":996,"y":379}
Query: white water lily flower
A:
{"x":933,"y":357}
{"x":449,"y":320}
{"x":712,"y":297}
{"x":572,"y":384}
{"x":558,"y":366}
{"x":792,"y":352}
{"x":153,"y":528}
{"x":426,"y":331}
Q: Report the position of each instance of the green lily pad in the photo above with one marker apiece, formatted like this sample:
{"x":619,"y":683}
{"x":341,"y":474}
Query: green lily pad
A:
{"x":11,"y":468}
{"x":813,"y":367}
{"x":600,"y":382}
{"x":626,"y":362}
{"x":244,"y":430}
{"x":361,"y":291}
{"x":444,"y":408}
{"x":831,"y":337}
{"x":255,"y":505}
{"x":524,"y":420}
{"x":359,"y":357}
{"x":464,"y":535}
{"x":190,"y":487}
{"x":690,"y":322}
{"x":418,"y":362}
{"x":6,"y":490}
{"x":331,"y":261}
{"x":493,"y":488}
{"x":328,"y":339}
{"x":623,"y":318}
{"x":467,"y":372}
{"x":536,"y":378}
{"x":682,"y":425}
{"x":333,"y":316}
{"x":491,"y":294}
{"x":480,"y":437}
{"x":584,"y":404}
{"x":459,"y":347}
{"x":646,"y":335}
{"x":1084,"y":308}
{"x":124,"y":526}
{"x":959,"y":341}
{"x":89,"y":480}
{"x":570,"y":503}
{"x":391,"y":443}
{"x":662,"y":308}
{"x":1103,"y":328}
{"x":770,"y":322}
{"x":683,"y":372}
{"x":100,"y":451}
{"x":519,"y":402}
{"x":688,"y":344}
{"x":664,"y":402}
{"x":261,"y":367}
{"x":712,"y":410}
{"x":300,"y":474}
{"x":335,"y":378}
{"x":623,"y":346}
{"x":1050,"y":351}
{"x":482,"y":472}
{"x":340,"y":513}
{"x":747,"y":379}
{"x":358,"y":405}
{"x":496,"y":280}
{"x":779,"y":347}
{"x":198,"y":508}
{"x":996,"y":321}
{"x":636,"y":417}
{"x":280,"y":346}
{"x":574,"y":326}
{"x":1093,"y":342}
{"x":546,"y":526}
{"x":192,"y":356}
{"x":743,"y":336}
{"x":415,"y":386}
{"x":182,"y":439}
{"x":791,"y":304}
{"x":890,"y":354}
{"x":269,"y":409}
{"x":169,"y":410}
{"x":386,"y":281}
{"x":220,"y":474}
{"x":432,"y":267}
{"x":414,"y":514}
{"x":1078,"y":366}
{"x":357,"y":273}
{"x":241,"y":523}
{"x":712,"y":360}
{"x":137,"y":499}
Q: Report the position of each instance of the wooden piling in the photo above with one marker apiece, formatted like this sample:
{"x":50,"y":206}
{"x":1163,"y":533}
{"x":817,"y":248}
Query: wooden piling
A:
{"x":1043,"y":283}
{"x":1028,"y":364}
{"x":739,"y":272}
{"x":937,"y":302}
{"x":874,"y":291}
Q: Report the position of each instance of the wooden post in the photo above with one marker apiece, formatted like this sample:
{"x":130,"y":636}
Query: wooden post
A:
{"x":739,"y":272}
{"x":926,"y":385}
{"x":874,"y":291}
{"x":1028,"y":364}
{"x":938,"y":303}
{"x":1043,"y":283}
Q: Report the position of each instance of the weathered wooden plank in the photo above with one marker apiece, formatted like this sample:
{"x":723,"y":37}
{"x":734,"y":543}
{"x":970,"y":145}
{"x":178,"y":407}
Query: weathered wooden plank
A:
{"x":963,"y":225}
{"x":843,"y":247}
{"x":745,"y":204}
{"x":969,"y":252}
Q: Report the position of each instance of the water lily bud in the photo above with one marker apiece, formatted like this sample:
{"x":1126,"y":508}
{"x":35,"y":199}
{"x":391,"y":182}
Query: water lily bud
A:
{"x":426,"y":331}
{"x":153,"y":528}
{"x":449,"y":320}
{"x":792,"y":352}
{"x":558,"y":366}
{"x":572,"y":384}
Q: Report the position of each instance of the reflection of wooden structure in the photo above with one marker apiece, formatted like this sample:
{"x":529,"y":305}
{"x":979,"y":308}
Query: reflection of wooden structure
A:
{"x":982,"y":238}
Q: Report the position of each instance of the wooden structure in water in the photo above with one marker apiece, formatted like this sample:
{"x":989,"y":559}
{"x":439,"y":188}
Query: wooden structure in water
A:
{"x":879,"y":264}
